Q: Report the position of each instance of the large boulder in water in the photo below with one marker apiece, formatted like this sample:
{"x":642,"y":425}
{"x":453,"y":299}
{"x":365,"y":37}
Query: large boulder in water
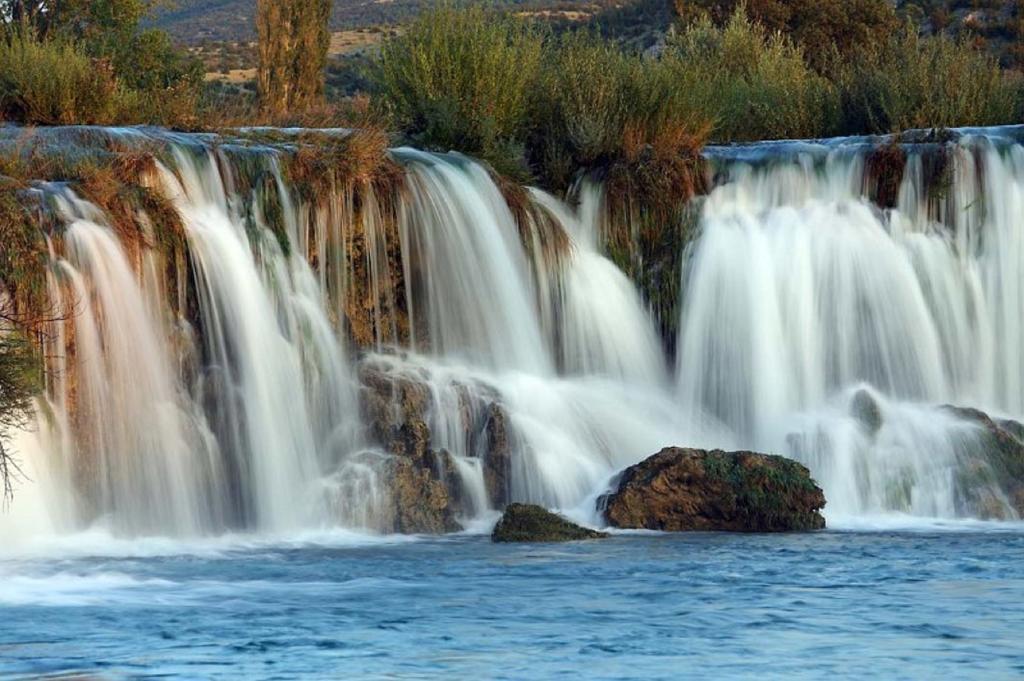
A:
{"x":528,"y":523}
{"x":680,"y":490}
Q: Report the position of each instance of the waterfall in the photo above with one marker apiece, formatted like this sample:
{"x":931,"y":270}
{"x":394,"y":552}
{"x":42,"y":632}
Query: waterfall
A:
{"x":273,"y":361}
{"x":800,"y":289}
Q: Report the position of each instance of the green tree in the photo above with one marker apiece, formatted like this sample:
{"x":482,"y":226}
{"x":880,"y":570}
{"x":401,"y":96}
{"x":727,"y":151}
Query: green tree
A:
{"x":293,"y":41}
{"x":20,"y":382}
{"x":111,"y":32}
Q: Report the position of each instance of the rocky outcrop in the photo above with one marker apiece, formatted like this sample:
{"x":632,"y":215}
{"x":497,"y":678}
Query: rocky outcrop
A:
{"x":398,"y":402}
{"x":680,"y":490}
{"x":990,"y":481}
{"x":528,"y":523}
{"x":422,"y":503}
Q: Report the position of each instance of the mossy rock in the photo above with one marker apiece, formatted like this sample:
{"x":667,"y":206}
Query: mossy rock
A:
{"x":529,"y":523}
{"x":683,"y":490}
{"x":989,"y":483}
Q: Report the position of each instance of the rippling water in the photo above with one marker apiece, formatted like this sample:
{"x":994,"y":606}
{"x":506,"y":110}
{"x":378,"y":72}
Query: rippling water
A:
{"x":892,"y":603}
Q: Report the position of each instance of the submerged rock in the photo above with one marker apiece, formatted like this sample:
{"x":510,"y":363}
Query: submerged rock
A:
{"x":680,"y":490}
{"x":865,"y":409}
{"x":528,"y":523}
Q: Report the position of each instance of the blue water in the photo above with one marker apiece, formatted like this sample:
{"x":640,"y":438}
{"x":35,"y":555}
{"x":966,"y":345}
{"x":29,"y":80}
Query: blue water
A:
{"x":879,"y":604}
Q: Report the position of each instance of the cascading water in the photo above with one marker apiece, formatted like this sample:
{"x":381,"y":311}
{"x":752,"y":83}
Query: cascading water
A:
{"x":799,"y":289}
{"x":273,"y":372}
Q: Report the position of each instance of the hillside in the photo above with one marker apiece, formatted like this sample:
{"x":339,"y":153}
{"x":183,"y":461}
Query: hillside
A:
{"x":193,"y":22}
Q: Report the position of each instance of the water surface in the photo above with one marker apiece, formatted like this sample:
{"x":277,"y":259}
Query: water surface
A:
{"x":882,"y":603}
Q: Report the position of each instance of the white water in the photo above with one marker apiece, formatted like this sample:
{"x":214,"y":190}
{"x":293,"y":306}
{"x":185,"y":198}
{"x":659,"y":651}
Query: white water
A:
{"x":799,"y":290}
{"x":797,"y":294}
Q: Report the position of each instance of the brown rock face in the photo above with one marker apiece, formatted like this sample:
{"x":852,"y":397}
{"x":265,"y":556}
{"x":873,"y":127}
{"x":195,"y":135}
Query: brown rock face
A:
{"x":680,"y":490}
{"x":397,"y":405}
{"x":422,"y":504}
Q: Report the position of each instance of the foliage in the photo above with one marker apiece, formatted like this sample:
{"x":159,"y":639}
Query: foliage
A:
{"x":20,"y":262}
{"x":145,"y":77}
{"x":54,"y":83}
{"x":461,"y":79}
{"x":292,"y":50}
{"x":597,"y":105}
{"x":817,"y":26}
{"x":758,"y":83}
{"x":20,"y":381}
{"x":912,"y":81}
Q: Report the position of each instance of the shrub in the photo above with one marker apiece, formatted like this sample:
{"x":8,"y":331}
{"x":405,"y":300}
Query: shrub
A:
{"x":917,"y":82}
{"x":461,"y":79}
{"x":54,"y":83}
{"x":599,"y":106}
{"x":142,"y":76}
{"x":817,"y":26}
{"x":758,"y":84}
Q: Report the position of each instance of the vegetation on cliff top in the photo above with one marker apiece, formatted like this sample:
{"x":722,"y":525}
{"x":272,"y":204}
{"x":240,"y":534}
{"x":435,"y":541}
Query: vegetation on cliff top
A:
{"x":544,"y":106}
{"x":92,"y":61}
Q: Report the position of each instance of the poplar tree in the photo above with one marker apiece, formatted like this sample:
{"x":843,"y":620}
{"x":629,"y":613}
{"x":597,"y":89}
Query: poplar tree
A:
{"x":293,"y":43}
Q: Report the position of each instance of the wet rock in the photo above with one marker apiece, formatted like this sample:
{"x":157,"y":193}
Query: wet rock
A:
{"x":865,"y":409}
{"x":422,"y":504}
{"x":497,"y":458}
{"x":397,"y":403}
{"x":528,"y":523}
{"x":990,"y":482}
{"x":680,"y":490}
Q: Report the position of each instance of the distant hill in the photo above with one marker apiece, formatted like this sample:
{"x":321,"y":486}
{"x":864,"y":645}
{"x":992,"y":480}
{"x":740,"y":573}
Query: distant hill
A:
{"x":193,"y":22}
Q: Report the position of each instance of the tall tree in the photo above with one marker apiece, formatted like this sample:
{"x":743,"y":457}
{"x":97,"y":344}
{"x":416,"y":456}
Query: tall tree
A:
{"x":293,"y":43}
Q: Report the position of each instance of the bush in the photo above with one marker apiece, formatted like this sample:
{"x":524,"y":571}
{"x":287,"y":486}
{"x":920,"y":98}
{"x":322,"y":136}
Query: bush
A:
{"x":144,"y":75}
{"x":55,"y":83}
{"x":757,"y":84}
{"x":461,"y":79}
{"x":817,"y":26}
{"x":926,"y":82}
{"x":599,"y":106}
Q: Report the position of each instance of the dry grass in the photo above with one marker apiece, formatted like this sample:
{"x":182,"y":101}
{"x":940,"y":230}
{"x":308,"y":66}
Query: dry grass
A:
{"x":537,"y":228}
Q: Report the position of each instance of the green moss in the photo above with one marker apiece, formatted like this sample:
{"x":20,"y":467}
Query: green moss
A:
{"x":763,"y":489}
{"x":528,"y":523}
